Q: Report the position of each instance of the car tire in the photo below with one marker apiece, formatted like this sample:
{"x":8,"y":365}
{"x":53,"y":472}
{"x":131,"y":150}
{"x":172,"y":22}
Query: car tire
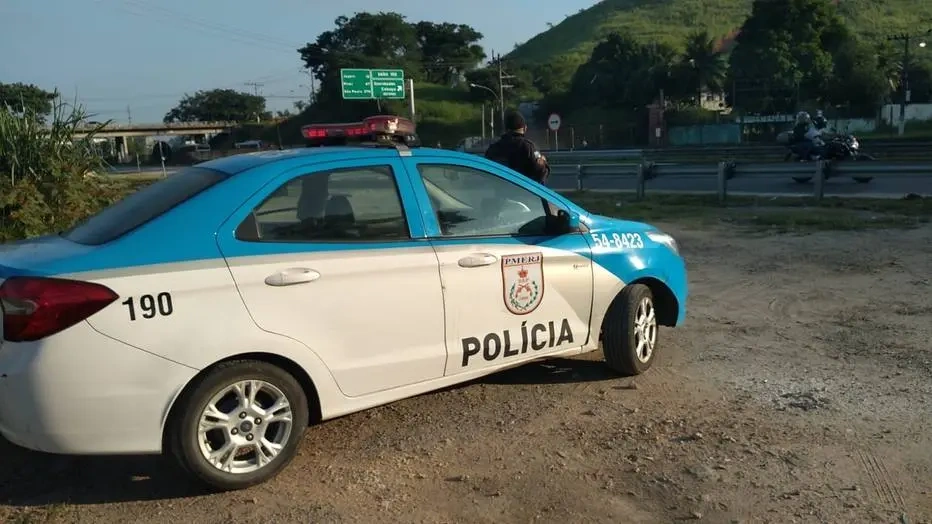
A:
{"x":624,"y":329}
{"x":231,"y":384}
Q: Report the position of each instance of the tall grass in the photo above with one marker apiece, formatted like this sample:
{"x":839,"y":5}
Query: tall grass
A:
{"x":44,"y":172}
{"x":30,"y":148}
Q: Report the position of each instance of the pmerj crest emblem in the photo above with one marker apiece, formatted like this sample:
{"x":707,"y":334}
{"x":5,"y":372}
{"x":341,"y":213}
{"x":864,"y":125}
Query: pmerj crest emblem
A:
{"x":523,"y":282}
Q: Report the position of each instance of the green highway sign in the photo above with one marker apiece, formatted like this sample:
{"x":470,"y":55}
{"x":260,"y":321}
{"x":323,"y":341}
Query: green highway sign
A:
{"x":357,"y":83}
{"x":388,"y":83}
{"x":366,"y":84}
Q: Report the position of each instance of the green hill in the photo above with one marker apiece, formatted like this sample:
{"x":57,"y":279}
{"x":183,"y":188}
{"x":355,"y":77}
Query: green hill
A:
{"x":671,"y":20}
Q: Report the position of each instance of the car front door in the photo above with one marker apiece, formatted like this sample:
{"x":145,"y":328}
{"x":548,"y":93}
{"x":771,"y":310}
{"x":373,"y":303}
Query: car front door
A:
{"x":514,"y":289}
{"x":327,"y":256}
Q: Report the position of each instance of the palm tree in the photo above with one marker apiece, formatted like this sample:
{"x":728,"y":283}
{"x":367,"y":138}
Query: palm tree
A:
{"x":704,"y":63}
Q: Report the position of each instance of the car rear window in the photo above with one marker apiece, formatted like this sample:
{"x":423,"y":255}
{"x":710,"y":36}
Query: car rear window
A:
{"x":143,"y":205}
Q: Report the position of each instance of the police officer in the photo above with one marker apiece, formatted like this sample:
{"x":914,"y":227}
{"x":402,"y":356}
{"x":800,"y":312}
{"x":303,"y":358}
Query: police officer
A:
{"x":517,"y":151}
{"x":819,"y":122}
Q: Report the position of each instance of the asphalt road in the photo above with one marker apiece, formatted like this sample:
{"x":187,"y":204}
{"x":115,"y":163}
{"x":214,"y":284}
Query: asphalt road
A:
{"x":881,"y":186}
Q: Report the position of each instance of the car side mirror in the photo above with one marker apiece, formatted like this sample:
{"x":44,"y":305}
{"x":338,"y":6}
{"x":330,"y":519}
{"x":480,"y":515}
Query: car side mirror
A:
{"x":569,"y":220}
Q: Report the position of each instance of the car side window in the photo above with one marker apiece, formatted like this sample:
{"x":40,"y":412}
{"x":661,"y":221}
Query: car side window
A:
{"x":470,"y":202}
{"x":345,"y":205}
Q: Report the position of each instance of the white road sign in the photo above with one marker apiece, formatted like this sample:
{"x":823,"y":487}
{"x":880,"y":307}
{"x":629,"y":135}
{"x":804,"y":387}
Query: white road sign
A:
{"x":553,"y":122}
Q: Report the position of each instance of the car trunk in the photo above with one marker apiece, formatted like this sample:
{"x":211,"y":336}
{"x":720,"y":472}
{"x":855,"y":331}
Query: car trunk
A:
{"x":39,"y":256}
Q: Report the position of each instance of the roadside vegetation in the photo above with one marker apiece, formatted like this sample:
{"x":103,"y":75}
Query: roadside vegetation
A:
{"x":670,"y":22}
{"x":47,"y":177}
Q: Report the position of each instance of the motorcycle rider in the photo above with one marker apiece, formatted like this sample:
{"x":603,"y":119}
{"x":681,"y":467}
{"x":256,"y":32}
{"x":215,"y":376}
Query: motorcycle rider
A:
{"x":804,"y":136}
{"x":819,"y":122}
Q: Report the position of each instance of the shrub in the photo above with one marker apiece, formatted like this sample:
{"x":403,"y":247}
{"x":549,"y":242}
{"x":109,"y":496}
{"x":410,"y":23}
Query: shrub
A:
{"x":47,"y":180}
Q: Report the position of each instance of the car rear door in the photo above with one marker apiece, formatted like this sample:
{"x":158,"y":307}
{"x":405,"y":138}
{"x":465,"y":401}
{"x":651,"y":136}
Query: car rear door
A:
{"x":334,"y":256}
{"x":512,"y":290}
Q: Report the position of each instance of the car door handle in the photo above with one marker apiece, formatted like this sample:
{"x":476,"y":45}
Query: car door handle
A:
{"x":478,"y":260}
{"x":292,"y":276}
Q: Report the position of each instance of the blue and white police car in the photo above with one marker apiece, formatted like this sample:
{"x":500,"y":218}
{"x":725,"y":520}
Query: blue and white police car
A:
{"x":217,"y":312}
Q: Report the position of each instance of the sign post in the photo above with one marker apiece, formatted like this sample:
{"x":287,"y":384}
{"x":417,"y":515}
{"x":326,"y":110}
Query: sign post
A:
{"x":553,"y":122}
{"x":369,"y":84}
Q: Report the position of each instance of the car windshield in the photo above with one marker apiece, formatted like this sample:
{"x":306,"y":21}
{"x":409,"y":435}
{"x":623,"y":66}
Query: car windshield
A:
{"x":142,"y":206}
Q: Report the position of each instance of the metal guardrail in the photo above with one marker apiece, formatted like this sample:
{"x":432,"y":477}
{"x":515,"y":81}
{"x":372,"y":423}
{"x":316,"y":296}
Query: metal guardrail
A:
{"x":817,"y":172}
{"x":883,"y":148}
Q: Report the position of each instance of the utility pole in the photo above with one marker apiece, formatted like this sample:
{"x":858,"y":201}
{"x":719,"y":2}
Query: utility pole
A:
{"x":905,"y":95}
{"x":129,"y":115}
{"x":310,"y":75}
{"x":256,"y":86}
{"x":501,"y":87}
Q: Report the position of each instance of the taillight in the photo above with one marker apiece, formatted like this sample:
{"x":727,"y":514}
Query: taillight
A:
{"x":36,"y":307}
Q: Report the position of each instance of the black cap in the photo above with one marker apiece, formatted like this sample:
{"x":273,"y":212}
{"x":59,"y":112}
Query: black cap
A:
{"x":514,"y":121}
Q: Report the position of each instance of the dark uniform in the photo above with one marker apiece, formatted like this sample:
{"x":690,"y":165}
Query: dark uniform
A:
{"x":516,"y":151}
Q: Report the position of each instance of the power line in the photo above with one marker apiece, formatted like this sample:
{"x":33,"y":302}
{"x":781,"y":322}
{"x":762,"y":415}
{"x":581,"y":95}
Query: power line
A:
{"x":227,"y":33}
{"x":255,"y":85}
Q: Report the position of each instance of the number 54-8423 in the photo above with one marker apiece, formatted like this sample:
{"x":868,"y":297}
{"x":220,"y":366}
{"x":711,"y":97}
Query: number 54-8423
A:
{"x":618,"y":240}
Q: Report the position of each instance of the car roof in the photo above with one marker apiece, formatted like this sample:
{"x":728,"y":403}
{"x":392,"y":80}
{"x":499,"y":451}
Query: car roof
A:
{"x":244,"y":161}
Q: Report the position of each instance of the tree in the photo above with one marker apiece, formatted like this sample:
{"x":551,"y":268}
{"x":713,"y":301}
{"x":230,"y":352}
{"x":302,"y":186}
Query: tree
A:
{"x":21,"y":97}
{"x":217,"y":105}
{"x":554,"y":77}
{"x":859,"y":82}
{"x":702,"y":66}
{"x":890,"y":60}
{"x":381,"y":40}
{"x":425,"y":51}
{"x":623,"y":73}
{"x":448,"y":50}
{"x":786,"y":48}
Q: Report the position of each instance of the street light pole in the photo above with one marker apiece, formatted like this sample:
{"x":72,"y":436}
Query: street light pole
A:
{"x":905,"y":96}
{"x":491,"y":109}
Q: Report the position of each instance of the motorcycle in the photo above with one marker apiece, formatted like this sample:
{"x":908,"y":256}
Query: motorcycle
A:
{"x":838,"y":147}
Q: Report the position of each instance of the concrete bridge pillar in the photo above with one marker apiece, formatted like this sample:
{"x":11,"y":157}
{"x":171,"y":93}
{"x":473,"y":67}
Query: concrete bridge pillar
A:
{"x":122,"y":148}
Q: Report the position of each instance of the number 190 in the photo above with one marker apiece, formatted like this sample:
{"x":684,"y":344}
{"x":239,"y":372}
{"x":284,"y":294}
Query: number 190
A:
{"x":150,"y":306}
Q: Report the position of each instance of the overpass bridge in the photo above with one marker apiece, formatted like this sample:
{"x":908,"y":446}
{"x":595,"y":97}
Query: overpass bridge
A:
{"x":131,"y":130}
{"x":122,"y":134}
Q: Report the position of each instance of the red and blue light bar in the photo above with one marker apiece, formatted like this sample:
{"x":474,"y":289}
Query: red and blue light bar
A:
{"x":385,"y":125}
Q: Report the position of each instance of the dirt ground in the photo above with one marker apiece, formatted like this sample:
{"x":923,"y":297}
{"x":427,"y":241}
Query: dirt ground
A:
{"x":800,"y":390}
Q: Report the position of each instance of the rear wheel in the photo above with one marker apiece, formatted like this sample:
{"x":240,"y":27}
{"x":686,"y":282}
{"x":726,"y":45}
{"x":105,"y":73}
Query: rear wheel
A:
{"x":629,"y":336}
{"x":240,"y":425}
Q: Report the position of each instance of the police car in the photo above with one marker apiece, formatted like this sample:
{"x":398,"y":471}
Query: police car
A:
{"x":216,"y":313}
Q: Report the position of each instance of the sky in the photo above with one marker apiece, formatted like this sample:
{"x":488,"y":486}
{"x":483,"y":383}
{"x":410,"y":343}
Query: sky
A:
{"x":135,"y":59}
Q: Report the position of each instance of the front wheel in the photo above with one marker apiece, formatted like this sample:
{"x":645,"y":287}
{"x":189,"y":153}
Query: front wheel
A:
{"x":629,"y":338}
{"x":240,"y":425}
